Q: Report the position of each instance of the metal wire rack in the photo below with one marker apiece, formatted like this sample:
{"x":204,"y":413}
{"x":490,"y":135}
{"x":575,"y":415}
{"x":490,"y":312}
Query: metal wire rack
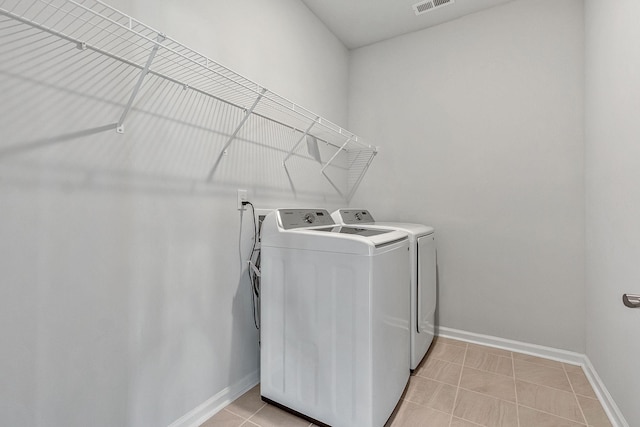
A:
{"x":134,"y":53}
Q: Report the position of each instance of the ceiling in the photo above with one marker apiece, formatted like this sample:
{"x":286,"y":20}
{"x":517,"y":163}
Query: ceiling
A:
{"x":358,"y":23}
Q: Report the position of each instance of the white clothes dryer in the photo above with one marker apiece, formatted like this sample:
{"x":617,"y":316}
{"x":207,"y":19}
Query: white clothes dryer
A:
{"x":422,"y":240}
{"x":334,"y":321}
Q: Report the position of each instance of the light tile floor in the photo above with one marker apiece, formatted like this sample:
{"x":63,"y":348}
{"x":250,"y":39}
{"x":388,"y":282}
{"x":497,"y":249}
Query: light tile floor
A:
{"x":464,"y":385}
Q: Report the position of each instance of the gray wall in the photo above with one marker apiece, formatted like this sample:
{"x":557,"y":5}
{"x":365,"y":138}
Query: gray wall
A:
{"x":480,"y":123}
{"x":124,"y":299}
{"x":613,"y":196}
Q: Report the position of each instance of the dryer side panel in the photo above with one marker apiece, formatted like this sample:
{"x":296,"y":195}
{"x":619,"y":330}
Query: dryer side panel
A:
{"x":427,"y":277}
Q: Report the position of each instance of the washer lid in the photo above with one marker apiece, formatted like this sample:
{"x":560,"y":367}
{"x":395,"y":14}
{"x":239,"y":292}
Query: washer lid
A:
{"x":367,"y":232}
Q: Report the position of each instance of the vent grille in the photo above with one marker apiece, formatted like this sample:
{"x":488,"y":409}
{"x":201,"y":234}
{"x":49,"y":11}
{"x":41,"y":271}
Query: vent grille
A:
{"x":428,"y":6}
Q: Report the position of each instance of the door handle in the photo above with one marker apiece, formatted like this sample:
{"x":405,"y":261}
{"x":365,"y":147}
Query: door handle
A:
{"x":631,"y":301}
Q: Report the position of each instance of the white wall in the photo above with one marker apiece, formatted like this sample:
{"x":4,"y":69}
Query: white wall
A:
{"x":480,"y":123}
{"x":613,"y":196}
{"x":123,"y":299}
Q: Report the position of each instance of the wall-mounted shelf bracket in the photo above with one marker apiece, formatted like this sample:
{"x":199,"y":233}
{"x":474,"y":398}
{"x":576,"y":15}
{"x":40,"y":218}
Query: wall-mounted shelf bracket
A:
{"x":136,"y":89}
{"x":322,"y":170}
{"x":247,"y":114}
{"x":295,"y":147}
{"x":335,"y":155}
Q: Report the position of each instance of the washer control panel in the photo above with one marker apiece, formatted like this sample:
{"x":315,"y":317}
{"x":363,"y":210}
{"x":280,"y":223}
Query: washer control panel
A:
{"x":356,"y":216}
{"x":299,"y":218}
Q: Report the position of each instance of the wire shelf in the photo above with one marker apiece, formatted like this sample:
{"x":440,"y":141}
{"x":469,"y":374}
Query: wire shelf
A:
{"x":130,"y":52}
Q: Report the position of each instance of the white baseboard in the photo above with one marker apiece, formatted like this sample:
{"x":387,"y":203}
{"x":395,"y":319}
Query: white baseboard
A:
{"x":609,"y":405}
{"x":213,"y":405}
{"x":613,"y":412}
{"x":517,"y":346}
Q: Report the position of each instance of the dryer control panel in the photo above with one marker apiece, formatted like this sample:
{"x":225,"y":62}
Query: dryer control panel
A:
{"x":356,"y":216}
{"x":299,"y":218}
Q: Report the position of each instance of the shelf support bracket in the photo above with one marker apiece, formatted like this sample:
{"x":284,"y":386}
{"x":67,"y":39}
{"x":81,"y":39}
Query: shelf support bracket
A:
{"x":136,"y":89}
{"x":335,"y":155}
{"x":247,"y":114}
{"x":290,"y":153}
{"x":295,"y":147}
{"x":330,"y":161}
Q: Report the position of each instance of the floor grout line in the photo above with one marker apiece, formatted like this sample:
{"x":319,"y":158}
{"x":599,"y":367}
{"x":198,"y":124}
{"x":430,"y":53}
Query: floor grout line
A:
{"x":243,"y":417}
{"x":231,"y":412}
{"x":554,"y":415}
{"x":455,"y":399}
{"x":488,"y":395}
{"x":561,"y":368}
{"x":575,"y":397}
{"x":510,"y":358}
{"x":237,"y":415}
{"x":428,"y":407}
{"x":467,"y":421}
{"x":254,"y":414}
{"x":445,"y":360}
{"x":585,"y":396}
{"x":488,"y":372}
{"x":515,"y":388}
{"x":545,"y":386}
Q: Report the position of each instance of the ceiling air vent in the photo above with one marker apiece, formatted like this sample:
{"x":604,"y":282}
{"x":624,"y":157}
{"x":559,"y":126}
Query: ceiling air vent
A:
{"x":431,"y":5}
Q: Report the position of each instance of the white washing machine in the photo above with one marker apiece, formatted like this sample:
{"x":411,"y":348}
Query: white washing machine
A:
{"x":422,"y":240}
{"x":334,"y":319}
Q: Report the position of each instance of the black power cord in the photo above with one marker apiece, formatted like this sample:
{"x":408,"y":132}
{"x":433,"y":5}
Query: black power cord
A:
{"x":254,"y":261}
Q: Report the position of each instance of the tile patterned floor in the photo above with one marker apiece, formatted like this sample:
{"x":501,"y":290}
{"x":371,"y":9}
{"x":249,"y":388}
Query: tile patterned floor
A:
{"x":464,"y":385}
